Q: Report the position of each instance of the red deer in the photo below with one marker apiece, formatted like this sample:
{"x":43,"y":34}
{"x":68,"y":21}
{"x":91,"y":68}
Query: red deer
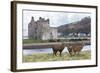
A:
{"x":74,"y":49}
{"x":58,"y":48}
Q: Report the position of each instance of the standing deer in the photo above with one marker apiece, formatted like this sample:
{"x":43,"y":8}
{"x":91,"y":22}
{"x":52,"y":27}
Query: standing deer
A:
{"x":75,"y":48}
{"x":58,"y":48}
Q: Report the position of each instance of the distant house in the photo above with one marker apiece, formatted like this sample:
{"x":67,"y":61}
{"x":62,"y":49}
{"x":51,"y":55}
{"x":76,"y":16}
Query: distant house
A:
{"x":41,"y":29}
{"x":80,"y":34}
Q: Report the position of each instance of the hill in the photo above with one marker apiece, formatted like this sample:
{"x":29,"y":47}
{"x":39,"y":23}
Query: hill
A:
{"x":82,"y":26}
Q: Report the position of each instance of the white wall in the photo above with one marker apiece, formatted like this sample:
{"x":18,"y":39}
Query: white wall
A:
{"x":5,"y":37}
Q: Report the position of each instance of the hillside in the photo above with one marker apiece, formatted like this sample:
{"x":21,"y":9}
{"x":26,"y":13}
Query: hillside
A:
{"x":82,"y":26}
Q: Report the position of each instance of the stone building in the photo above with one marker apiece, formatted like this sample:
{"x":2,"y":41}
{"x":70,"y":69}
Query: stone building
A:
{"x":41,"y":29}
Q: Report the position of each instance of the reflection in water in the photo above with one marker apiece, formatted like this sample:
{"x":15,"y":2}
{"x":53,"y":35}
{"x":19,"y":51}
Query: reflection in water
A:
{"x":49,"y":50}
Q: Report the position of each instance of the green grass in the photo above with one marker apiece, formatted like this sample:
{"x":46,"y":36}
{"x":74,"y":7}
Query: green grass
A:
{"x":49,"y":57}
{"x":27,"y":41}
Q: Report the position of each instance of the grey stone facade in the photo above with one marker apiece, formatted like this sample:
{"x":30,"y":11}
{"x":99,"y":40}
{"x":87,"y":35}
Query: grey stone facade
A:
{"x":40,"y":29}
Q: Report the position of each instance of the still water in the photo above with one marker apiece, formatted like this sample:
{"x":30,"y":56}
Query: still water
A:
{"x":49,"y":50}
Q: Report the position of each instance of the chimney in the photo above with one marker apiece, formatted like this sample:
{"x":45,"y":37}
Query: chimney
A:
{"x":40,"y":18}
{"x":32,"y":19}
{"x":48,"y":21}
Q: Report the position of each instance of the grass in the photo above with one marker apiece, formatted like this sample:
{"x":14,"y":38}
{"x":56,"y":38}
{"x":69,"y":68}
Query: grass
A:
{"x":28,"y":41}
{"x":49,"y":57}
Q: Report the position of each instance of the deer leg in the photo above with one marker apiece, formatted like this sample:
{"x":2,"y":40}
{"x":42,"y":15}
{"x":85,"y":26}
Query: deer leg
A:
{"x":60,"y":52}
{"x":75,"y":52}
{"x":71,"y":52}
{"x":55,"y":53}
{"x":78,"y":52}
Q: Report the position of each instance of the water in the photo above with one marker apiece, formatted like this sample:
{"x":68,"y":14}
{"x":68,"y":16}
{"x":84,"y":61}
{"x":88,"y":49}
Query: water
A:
{"x":49,"y":50}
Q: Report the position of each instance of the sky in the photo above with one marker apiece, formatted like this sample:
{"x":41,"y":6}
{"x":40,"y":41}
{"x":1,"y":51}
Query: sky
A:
{"x":56,"y":18}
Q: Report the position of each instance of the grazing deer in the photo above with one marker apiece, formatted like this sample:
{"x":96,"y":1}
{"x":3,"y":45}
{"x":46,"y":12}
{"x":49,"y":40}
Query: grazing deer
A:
{"x":75,"y":48}
{"x":58,"y":48}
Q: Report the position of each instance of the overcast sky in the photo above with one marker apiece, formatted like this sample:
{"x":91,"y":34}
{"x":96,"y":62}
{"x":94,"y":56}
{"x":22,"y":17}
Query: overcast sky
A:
{"x":56,"y":18}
